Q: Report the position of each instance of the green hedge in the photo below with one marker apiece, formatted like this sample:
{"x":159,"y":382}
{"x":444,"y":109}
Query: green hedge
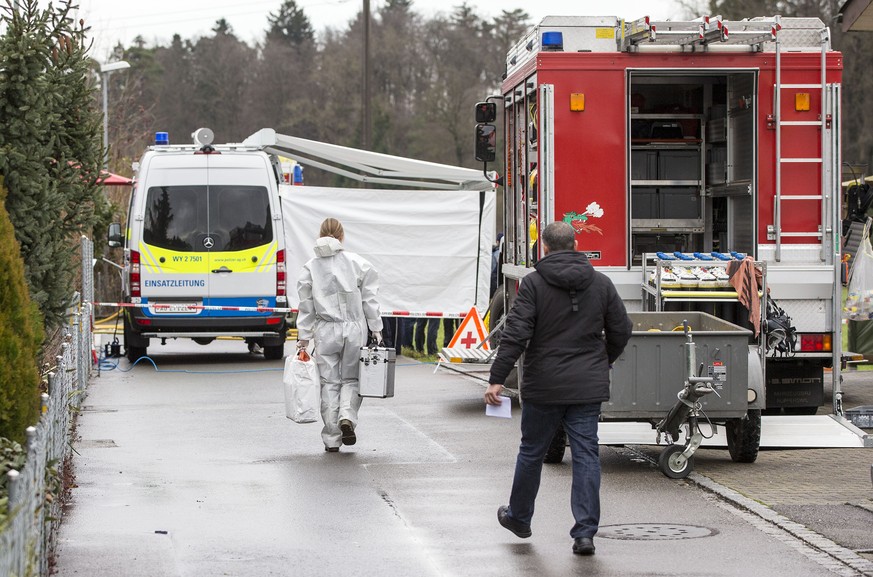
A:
{"x":21,"y":335}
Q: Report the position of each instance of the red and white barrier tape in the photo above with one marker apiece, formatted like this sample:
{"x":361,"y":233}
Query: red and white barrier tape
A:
{"x":423,"y":315}
{"x":175,"y":308}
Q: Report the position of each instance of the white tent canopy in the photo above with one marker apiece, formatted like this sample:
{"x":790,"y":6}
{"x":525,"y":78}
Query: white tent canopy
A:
{"x":369,"y":167}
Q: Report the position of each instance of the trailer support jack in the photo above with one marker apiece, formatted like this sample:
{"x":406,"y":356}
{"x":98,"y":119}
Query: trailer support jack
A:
{"x":676,"y":460}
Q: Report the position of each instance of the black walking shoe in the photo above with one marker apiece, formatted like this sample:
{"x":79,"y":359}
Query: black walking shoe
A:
{"x":520,"y":529}
{"x":332,"y":449}
{"x":348,"y":430}
{"x":583,"y":546}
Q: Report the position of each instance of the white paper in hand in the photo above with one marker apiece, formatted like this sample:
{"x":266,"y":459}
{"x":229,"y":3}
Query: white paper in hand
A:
{"x":504,"y":410}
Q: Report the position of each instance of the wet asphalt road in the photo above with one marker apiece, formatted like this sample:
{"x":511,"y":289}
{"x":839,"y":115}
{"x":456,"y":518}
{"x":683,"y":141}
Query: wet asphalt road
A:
{"x":193,"y":470}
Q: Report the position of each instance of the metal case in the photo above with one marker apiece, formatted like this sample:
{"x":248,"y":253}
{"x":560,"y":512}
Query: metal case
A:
{"x":377,"y":372}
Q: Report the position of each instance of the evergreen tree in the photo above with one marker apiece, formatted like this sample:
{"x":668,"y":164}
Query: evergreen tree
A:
{"x":290,"y":26}
{"x":172,"y":110}
{"x":20,"y":338}
{"x":221,"y":67}
{"x":50,"y":145}
{"x":25,"y":133}
{"x":133,"y":97}
{"x":282,"y":93}
{"x":77,"y":134}
{"x":458,"y":53}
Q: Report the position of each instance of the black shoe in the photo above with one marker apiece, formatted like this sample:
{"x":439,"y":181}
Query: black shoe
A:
{"x":520,"y":529}
{"x":583,"y":546}
{"x":332,"y":449}
{"x":348,"y":430}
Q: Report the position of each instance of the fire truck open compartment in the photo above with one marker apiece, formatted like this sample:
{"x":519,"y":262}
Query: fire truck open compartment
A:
{"x":691,"y":171}
{"x":700,"y":136}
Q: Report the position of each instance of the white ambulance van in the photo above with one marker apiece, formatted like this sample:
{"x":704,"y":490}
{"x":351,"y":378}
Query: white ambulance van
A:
{"x":204,"y":237}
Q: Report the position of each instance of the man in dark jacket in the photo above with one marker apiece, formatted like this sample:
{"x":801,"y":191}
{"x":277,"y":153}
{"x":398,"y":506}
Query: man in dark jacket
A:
{"x":571,"y":324}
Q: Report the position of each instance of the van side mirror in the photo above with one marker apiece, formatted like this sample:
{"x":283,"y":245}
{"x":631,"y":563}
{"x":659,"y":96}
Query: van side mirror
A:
{"x":486,"y":143}
{"x":115,"y":238}
{"x":486,"y":112}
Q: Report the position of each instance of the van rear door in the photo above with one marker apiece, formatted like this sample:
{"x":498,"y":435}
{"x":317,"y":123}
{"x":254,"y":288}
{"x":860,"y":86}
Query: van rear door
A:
{"x":174,"y":234}
{"x":242,"y":258}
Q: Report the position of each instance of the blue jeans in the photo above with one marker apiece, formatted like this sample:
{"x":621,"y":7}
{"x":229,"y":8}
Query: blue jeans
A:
{"x":539,"y":423}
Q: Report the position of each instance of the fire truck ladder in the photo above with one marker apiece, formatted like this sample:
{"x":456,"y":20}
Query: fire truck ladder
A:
{"x":704,"y":33}
{"x":775,"y":231}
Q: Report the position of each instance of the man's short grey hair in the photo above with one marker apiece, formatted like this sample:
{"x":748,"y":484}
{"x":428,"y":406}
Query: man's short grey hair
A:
{"x":559,"y":236}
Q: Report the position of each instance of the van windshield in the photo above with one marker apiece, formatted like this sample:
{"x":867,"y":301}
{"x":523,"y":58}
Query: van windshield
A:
{"x":213,"y":218}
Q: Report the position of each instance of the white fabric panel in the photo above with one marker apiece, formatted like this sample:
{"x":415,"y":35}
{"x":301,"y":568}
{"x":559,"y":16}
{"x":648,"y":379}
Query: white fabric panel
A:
{"x":432,"y":249}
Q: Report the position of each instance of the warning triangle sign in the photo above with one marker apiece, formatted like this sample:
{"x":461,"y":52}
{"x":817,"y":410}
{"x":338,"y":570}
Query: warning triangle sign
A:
{"x":470,"y":333}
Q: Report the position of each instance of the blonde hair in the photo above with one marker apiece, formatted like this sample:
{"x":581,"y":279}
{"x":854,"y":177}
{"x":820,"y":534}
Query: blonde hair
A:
{"x":331,"y":227}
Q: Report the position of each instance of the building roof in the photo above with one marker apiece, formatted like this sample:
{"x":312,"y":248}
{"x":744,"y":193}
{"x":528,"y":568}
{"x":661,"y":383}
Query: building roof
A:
{"x":109,"y":179}
{"x":857,"y":15}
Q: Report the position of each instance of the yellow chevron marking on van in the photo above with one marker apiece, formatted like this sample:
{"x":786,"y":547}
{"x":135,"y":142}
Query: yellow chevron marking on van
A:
{"x":147,"y":258}
{"x":268,"y":258}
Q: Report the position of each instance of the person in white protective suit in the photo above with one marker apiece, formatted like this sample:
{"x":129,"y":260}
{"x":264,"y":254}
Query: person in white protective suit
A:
{"x":337,"y":291}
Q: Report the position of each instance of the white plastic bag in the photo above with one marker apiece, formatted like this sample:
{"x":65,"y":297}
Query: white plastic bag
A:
{"x":859,"y":301}
{"x":302,"y":388}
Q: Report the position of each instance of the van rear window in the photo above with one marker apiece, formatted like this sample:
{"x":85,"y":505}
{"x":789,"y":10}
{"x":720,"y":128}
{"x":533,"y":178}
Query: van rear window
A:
{"x":214,"y":218}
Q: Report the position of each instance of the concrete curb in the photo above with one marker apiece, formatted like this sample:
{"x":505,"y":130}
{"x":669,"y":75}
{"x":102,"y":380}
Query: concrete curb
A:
{"x":811,"y":538}
{"x":829,"y":549}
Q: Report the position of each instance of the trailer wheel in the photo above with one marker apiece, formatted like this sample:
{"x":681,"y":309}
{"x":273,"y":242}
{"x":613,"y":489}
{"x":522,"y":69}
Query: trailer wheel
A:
{"x":673,"y":464}
{"x":555,"y":452}
{"x":744,"y":437}
{"x":496,"y":309}
{"x":274,"y":352}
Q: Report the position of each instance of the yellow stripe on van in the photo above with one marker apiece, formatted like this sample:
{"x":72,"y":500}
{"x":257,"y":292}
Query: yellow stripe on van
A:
{"x":162,"y":260}
{"x":203,"y":262}
{"x":255,"y":259}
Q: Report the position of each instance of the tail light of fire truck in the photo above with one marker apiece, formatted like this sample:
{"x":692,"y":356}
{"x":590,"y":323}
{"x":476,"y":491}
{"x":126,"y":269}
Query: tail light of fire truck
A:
{"x":135,"y":282}
{"x":816,"y":343}
{"x":280,"y":273}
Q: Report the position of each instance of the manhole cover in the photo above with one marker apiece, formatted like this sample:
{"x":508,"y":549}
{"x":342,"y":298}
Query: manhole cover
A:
{"x":654,"y":532}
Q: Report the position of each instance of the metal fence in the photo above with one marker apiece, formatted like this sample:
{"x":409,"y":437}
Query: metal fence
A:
{"x":35,"y":491}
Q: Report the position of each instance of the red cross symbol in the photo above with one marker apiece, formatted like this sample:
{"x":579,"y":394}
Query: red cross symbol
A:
{"x":471,"y":333}
{"x":468,"y":341}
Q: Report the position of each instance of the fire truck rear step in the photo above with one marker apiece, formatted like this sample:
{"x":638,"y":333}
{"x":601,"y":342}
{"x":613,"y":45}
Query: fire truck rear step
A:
{"x":777,"y":432}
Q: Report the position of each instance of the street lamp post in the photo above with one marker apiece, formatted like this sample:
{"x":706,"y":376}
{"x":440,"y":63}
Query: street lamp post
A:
{"x":107,"y":69}
{"x":365,"y":92}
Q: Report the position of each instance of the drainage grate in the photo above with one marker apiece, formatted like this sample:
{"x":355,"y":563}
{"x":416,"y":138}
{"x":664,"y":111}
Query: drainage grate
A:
{"x":654,"y":532}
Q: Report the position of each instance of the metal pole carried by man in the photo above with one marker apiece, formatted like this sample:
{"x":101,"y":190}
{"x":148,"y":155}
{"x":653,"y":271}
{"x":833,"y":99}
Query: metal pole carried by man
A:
{"x":571,"y":325}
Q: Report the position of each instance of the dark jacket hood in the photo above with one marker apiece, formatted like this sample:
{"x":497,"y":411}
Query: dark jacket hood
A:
{"x":566,"y":269}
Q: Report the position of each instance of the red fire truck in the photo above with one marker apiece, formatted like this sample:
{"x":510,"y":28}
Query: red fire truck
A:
{"x":672,"y":145}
